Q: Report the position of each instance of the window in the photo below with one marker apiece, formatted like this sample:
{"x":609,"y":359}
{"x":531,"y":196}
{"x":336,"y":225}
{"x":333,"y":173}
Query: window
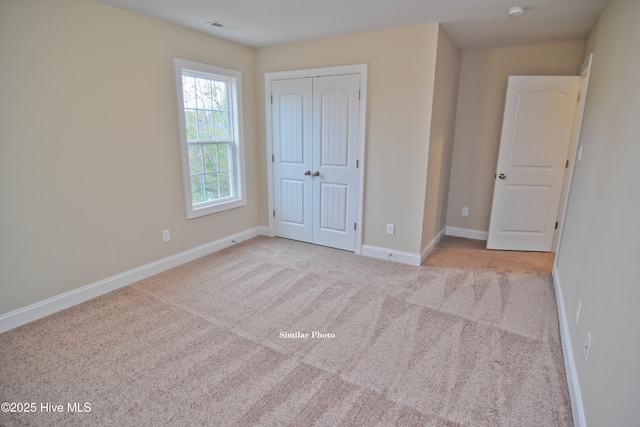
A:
{"x":210,"y":119}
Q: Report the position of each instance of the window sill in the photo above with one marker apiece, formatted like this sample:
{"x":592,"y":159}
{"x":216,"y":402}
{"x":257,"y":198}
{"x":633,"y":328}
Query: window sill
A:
{"x":219,"y":207}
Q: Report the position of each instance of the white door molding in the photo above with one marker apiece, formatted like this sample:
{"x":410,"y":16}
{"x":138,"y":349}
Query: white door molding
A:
{"x":360,"y":69}
{"x":585,"y":73}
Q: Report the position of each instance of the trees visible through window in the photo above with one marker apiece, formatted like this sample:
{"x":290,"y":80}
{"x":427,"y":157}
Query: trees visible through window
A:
{"x":211,"y":144}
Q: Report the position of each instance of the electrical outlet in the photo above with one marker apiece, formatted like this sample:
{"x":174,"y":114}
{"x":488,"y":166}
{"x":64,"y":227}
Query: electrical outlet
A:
{"x":578,"y":311}
{"x":391,"y":229}
{"x":465,"y":211}
{"x":166,"y":236}
{"x":587,"y":345}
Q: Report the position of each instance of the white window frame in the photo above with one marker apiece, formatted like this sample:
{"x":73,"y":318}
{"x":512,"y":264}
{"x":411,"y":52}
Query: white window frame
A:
{"x":234,"y":80}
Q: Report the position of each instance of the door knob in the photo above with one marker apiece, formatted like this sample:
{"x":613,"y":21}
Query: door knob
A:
{"x":502,"y":176}
{"x":315,"y":173}
{"x":307,"y":172}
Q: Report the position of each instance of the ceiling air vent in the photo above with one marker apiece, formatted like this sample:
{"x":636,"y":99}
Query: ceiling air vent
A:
{"x":223,"y":25}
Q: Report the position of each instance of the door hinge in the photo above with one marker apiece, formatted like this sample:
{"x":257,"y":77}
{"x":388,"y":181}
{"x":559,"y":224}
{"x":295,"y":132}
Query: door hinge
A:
{"x":354,"y":226}
{"x":359,"y":93}
{"x":556,"y":225}
{"x":272,"y":99}
{"x":274,"y":213}
{"x":579,"y":97}
{"x":357,"y":163}
{"x":567,"y":164}
{"x":273,"y":158}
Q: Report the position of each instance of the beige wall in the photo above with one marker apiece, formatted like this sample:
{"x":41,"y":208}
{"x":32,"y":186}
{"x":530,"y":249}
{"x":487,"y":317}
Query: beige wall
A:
{"x":597,"y":262}
{"x":443,"y":120}
{"x":90,"y":162}
{"x":89,"y":155}
{"x":483,"y":87}
{"x":401,"y":70}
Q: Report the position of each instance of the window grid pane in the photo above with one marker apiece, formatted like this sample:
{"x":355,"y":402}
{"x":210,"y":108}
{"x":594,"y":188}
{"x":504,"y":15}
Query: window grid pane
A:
{"x":207,"y":114}
{"x":195,"y":159}
{"x":211,"y":171}
{"x":210,"y":158}
{"x":211,"y":117}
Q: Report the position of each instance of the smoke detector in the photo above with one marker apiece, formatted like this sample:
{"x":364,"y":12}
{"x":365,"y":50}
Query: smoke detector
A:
{"x":516,"y":11}
{"x":223,"y":25}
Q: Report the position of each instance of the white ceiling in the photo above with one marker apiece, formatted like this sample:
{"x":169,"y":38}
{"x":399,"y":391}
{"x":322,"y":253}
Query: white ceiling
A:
{"x":471,"y":23}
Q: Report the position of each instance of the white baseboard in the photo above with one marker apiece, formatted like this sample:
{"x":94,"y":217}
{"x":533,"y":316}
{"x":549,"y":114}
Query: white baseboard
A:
{"x":49,"y":306}
{"x":431,"y":246}
{"x":467,"y":233}
{"x":577,"y":408}
{"x":391,"y":255}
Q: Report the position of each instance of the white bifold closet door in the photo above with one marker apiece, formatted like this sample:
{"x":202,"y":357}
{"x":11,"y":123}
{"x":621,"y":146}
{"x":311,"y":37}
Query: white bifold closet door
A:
{"x":315,"y":123}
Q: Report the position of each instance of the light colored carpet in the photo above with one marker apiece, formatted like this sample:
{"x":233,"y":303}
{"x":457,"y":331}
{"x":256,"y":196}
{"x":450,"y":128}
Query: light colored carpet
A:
{"x":201,"y":345}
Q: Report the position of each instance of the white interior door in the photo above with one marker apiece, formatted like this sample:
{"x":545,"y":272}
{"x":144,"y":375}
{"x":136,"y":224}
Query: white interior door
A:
{"x":315,"y":125}
{"x":336,"y":112}
{"x":292,"y":151}
{"x":536,"y":132}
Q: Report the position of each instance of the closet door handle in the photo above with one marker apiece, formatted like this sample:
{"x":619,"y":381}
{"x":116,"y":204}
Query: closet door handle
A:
{"x":307,"y":172}
{"x":315,"y":173}
{"x":502,"y":176}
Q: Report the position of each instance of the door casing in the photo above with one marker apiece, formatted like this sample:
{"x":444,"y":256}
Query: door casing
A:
{"x":585,"y":73}
{"x":360,"y":69}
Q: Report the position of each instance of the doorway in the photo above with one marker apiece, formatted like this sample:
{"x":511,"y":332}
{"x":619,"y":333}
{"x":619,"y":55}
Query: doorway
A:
{"x":536,"y":134}
{"x":315,"y":151}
